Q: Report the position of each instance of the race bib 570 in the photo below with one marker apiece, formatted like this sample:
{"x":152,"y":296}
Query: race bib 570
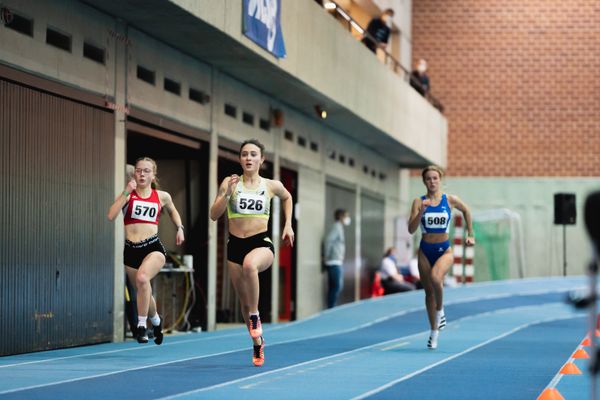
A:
{"x":144,"y":211}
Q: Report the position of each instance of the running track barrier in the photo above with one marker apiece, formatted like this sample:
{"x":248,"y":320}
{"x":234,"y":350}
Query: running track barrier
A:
{"x":463,"y":268}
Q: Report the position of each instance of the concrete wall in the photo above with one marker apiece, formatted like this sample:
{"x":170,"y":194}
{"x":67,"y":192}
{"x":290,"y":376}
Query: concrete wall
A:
{"x":314,"y":165}
{"x":533,"y":199}
{"x":33,"y":54}
{"x":314,"y":168}
{"x":311,"y":211}
{"x":170,"y":63}
{"x":327,"y":58}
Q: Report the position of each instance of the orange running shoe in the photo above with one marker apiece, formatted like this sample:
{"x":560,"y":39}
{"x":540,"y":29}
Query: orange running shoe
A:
{"x":255,"y":327}
{"x":258,"y":353}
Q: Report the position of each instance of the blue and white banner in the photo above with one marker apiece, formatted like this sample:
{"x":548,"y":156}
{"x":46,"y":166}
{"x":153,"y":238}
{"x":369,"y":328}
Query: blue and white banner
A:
{"x":261,"y":23}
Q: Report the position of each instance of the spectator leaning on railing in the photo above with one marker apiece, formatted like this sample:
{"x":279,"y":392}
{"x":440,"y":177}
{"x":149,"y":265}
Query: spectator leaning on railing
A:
{"x":419,"y":78}
{"x":378,"y":31}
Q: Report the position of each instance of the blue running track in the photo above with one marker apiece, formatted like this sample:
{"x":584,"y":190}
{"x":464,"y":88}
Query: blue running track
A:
{"x":504,"y":340}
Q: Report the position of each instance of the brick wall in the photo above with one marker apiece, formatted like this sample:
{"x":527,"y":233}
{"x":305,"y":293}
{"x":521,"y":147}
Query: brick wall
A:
{"x":520,"y":82}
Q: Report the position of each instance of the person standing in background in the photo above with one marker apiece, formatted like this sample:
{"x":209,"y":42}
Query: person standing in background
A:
{"x":378,"y":31}
{"x":334,"y":253}
{"x":419,"y":79}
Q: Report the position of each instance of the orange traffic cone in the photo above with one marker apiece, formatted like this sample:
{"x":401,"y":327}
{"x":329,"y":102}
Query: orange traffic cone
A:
{"x":586,"y":342}
{"x":580,"y":353}
{"x":570,"y":369}
{"x":550,"y":394}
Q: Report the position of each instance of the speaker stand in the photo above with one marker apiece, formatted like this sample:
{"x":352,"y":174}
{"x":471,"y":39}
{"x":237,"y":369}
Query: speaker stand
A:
{"x":594,"y":365}
{"x":564,"y":250}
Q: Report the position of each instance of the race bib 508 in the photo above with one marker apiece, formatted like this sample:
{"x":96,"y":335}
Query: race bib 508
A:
{"x":436,"y":220}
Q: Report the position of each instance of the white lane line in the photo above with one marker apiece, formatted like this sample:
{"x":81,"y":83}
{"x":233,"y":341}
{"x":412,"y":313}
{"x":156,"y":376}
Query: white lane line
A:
{"x":201,"y":357}
{"x":136,"y":348}
{"x":319,"y":360}
{"x":298,"y":372}
{"x":556,"y":379}
{"x":378,"y":320}
{"x":293,"y":323}
{"x":115,"y":372}
{"x":395,"y":346}
{"x":462,"y":353}
{"x":289,"y":367}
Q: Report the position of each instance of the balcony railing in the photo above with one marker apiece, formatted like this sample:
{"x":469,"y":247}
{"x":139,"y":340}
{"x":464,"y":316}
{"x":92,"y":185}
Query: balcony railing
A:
{"x":388,"y":59}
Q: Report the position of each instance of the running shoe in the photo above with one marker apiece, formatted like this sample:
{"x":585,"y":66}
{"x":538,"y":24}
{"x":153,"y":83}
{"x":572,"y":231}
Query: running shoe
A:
{"x":255,"y":327}
{"x":442,"y":322}
{"x":433,"y":340}
{"x":141,"y":335}
{"x":258,"y":353}
{"x":158,"y":333}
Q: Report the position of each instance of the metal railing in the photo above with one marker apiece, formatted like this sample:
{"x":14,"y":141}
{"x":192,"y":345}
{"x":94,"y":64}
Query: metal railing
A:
{"x":389,"y":60}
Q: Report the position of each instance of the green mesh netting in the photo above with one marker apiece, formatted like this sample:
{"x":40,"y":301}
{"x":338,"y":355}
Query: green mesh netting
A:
{"x":492,"y":250}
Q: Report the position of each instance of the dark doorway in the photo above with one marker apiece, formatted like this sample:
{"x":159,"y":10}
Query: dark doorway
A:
{"x":372,"y":219}
{"x":287,"y":256}
{"x":183,"y":172}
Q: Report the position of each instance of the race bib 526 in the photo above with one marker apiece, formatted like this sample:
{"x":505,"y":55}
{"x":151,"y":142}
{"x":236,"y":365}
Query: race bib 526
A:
{"x":250,"y":204}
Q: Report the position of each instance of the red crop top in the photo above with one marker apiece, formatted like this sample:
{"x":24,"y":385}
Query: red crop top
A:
{"x":142,"y":211}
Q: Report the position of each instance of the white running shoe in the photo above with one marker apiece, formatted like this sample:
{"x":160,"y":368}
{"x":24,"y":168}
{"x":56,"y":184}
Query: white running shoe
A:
{"x":441,"y":321}
{"x":433,"y":340}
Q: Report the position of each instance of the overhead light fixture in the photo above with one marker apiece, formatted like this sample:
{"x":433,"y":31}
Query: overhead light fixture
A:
{"x":330,"y":5}
{"x":321,"y":113}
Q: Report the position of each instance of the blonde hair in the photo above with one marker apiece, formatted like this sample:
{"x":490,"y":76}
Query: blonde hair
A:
{"x":435,"y":168}
{"x":154,"y":184}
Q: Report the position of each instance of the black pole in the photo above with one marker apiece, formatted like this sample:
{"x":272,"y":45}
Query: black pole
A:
{"x":593,"y":278}
{"x":564,"y":250}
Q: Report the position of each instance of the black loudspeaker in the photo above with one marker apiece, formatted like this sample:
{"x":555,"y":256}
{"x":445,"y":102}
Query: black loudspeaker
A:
{"x":565,"y":212}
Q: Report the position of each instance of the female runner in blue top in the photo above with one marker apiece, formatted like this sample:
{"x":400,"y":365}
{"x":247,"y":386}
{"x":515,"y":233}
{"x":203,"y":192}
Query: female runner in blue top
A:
{"x":434,"y":212}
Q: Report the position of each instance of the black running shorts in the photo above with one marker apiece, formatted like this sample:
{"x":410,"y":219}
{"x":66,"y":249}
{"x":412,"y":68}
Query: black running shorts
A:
{"x":238,"y":248}
{"x":135,"y":252}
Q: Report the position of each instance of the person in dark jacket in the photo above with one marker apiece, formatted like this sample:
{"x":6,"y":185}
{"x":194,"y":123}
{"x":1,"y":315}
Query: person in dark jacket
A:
{"x":378,"y":31}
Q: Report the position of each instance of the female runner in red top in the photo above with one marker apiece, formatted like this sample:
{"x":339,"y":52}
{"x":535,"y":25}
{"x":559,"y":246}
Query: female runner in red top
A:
{"x":144,"y":254}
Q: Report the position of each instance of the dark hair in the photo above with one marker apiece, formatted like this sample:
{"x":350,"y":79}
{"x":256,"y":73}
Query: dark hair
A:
{"x":339,"y":213}
{"x":389,"y":251}
{"x":388,"y":11}
{"x":254,"y":142}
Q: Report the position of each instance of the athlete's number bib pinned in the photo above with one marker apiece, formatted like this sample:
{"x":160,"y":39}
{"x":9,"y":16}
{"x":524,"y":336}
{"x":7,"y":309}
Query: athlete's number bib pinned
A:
{"x":248,"y":203}
{"x":436,"y":220}
{"x":144,"y":211}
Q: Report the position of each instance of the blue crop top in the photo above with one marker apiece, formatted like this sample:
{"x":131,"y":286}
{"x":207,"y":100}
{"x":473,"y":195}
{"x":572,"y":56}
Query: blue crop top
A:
{"x":436,"y":219}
